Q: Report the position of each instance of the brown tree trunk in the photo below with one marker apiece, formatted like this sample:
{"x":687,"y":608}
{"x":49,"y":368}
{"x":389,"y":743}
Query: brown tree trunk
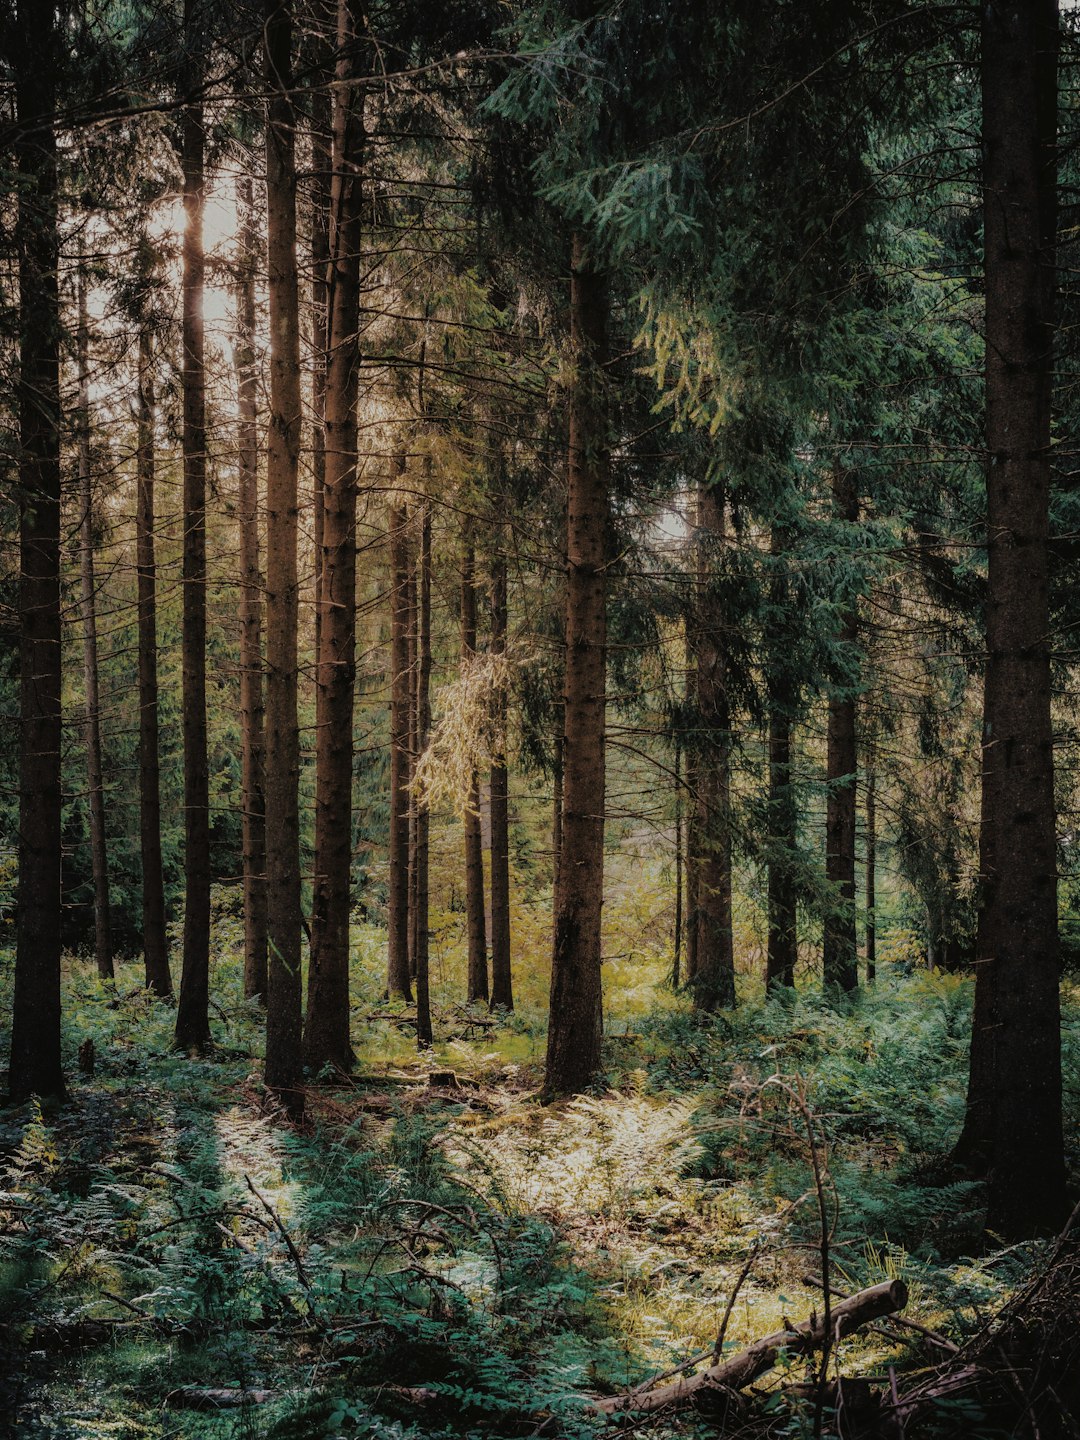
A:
{"x":557,"y":809}
{"x":677,"y":943}
{"x":783,"y":943}
{"x":871,"y":874}
{"x":713,"y":981}
{"x":1014,"y":1099}
{"x":690,"y":864}
{"x":326,"y":18}
{"x":502,"y":990}
{"x":410,"y":746}
{"x":252,"y":719}
{"x":35,"y":1067}
{"x":284,"y":1057}
{"x":840,"y":958}
{"x":574,"y":1023}
{"x":99,"y":857}
{"x":422,"y":822}
{"x":397,"y":972}
{"x":193,"y":1011}
{"x":476,"y":929}
{"x":326,"y":1037}
{"x":155,"y":943}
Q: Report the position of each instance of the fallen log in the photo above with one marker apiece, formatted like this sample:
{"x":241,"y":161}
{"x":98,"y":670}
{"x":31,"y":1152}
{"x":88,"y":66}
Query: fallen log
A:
{"x":746,"y":1367}
{"x":196,"y":1397}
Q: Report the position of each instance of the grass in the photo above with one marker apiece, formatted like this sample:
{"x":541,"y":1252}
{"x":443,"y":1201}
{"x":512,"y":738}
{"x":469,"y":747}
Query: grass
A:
{"x":167,"y":1230}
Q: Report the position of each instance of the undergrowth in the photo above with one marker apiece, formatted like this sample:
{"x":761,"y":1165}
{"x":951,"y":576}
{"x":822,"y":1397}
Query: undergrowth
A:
{"x":429,"y":1261}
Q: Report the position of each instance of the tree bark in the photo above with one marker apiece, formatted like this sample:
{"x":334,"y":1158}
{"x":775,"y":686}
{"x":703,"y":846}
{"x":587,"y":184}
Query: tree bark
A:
{"x":677,"y":943}
{"x":423,"y":819}
{"x":155,"y":943}
{"x":783,"y":943}
{"x":284,"y":1059}
{"x":35,"y":1067}
{"x":397,"y":974}
{"x":252,"y":717}
{"x":410,"y":745}
{"x":99,"y":856}
{"x":475,"y":926}
{"x":1014,"y":1098}
{"x":713,"y":981}
{"x":325,"y":19}
{"x":193,"y":1011}
{"x":502,"y":990}
{"x":574,"y":1024}
{"x":871,"y":873}
{"x":840,"y":962}
{"x":326,"y":1037}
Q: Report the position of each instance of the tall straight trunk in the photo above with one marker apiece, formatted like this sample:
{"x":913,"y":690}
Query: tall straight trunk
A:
{"x":252,"y":717}
{"x":397,"y":971}
{"x":840,"y":949}
{"x":475,"y":927}
{"x":35,"y":1067}
{"x":575,"y":1017}
{"x":502,"y":990}
{"x":557,"y":810}
{"x":284,"y":1054}
{"x":1014,"y":1099}
{"x":713,"y":981}
{"x":677,"y":942}
{"x":871,"y":873}
{"x":423,"y":819}
{"x":155,"y":943}
{"x":326,"y":25}
{"x":193,"y":1011}
{"x":99,"y":857}
{"x":326,"y":1036}
{"x":690,"y":864}
{"x":783,"y":942}
{"x":410,"y":749}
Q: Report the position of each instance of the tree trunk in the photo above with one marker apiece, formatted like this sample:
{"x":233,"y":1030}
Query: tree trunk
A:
{"x":502,"y":990}
{"x":713,"y":981}
{"x":410,"y":747}
{"x":397,"y":972}
{"x":840,"y":952}
{"x":1014,"y":1100}
{"x":252,"y":719}
{"x":557,"y":810}
{"x":284,"y":1059}
{"x":574,"y":1024}
{"x":99,"y":857}
{"x":783,"y":943}
{"x":193,"y":1011}
{"x":325,"y":24}
{"x":423,"y":730}
{"x":326,"y":1037}
{"x":35,"y":1029}
{"x":676,"y":959}
{"x":871,"y":874}
{"x":690,"y":864}
{"x":155,"y":943}
{"x":474,"y":842}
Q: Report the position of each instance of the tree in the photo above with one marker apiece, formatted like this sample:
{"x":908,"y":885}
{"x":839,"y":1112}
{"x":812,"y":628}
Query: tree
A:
{"x":574,"y":1026}
{"x":326,"y":1036}
{"x":1014,"y":1100}
{"x":840,"y":950}
{"x":502,"y":991}
{"x":477,"y":973}
{"x":35,"y":1066}
{"x":252,"y":715}
{"x":193,"y":1010}
{"x":155,"y":943}
{"x":397,"y":975}
{"x":103,"y":953}
{"x":284,"y":1056}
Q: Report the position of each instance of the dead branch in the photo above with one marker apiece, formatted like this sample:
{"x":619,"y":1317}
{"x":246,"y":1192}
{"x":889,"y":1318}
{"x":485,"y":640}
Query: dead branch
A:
{"x":743,"y":1369}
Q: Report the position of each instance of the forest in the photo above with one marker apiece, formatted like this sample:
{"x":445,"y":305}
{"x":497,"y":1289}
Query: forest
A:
{"x":540,"y":774}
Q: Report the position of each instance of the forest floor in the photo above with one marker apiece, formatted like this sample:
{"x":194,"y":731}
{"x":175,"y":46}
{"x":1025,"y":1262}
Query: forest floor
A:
{"x":454,"y":1257}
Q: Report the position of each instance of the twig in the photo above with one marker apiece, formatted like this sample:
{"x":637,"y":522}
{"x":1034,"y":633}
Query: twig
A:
{"x":293,"y":1252}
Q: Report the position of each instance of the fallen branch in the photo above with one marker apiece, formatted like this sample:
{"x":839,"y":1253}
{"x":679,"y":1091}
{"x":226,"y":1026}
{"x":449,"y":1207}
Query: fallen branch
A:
{"x":194,"y":1397}
{"x":743,"y":1369}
